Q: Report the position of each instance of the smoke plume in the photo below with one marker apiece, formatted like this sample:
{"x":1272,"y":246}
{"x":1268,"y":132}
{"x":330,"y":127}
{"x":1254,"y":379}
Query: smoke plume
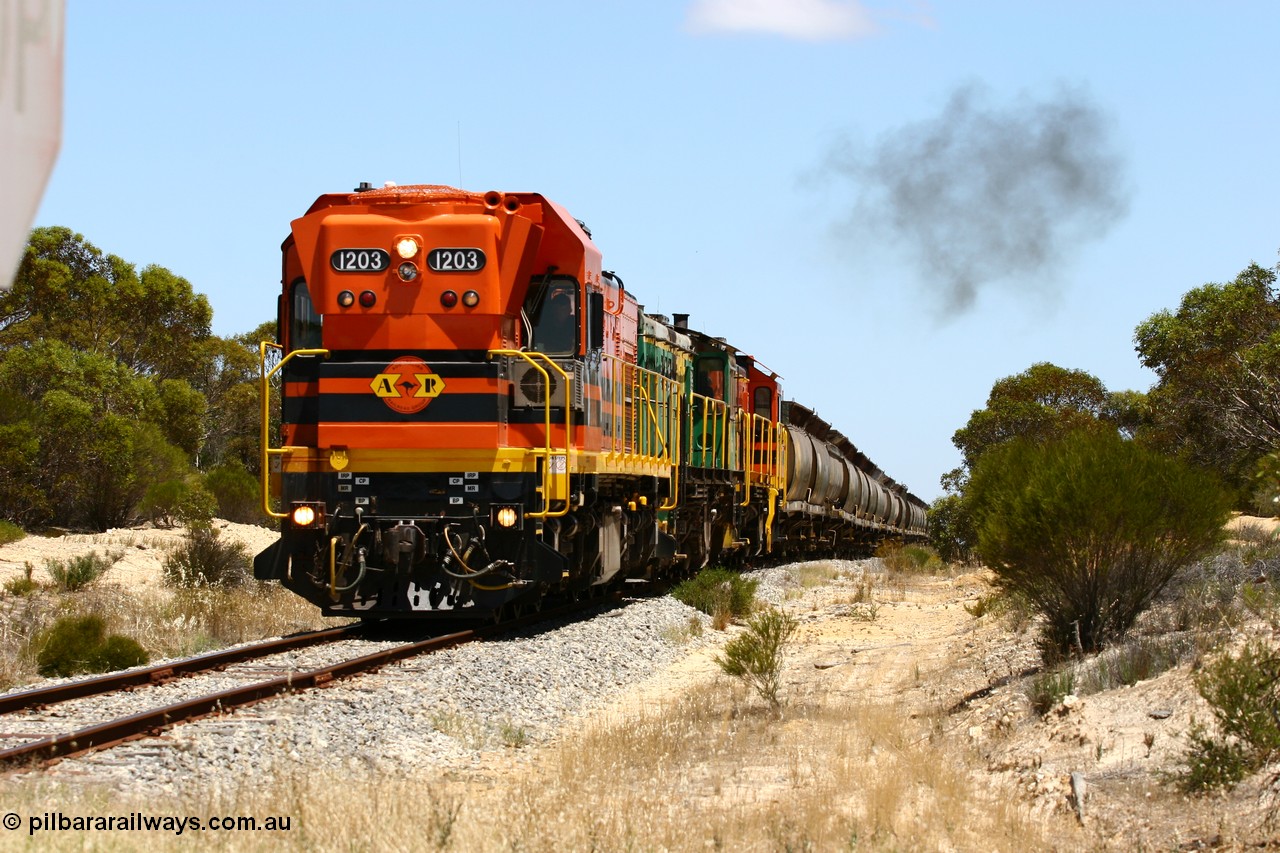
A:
{"x":983,"y":194}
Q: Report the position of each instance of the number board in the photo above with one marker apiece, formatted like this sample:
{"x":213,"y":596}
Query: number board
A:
{"x":360,"y":260}
{"x":455,"y":260}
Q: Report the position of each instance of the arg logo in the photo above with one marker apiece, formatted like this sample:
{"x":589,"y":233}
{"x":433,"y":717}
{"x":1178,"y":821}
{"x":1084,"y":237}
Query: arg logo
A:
{"x":407,"y":385}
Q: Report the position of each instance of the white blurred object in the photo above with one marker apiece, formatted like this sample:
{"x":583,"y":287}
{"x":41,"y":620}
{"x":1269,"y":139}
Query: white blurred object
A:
{"x":31,"y":33}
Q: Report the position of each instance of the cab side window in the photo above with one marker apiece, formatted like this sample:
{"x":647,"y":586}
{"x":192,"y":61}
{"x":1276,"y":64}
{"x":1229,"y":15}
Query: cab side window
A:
{"x":709,"y":378}
{"x":762,"y":404}
{"x":304,"y":321}
{"x":555,"y":319}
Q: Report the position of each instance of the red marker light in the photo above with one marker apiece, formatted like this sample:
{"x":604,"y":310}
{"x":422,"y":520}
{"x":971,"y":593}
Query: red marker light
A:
{"x":448,"y":299}
{"x":368,"y":298}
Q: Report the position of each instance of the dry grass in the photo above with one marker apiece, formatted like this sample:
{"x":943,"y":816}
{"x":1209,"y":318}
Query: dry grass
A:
{"x":710,"y":768}
{"x":709,"y":771}
{"x":168,"y":623}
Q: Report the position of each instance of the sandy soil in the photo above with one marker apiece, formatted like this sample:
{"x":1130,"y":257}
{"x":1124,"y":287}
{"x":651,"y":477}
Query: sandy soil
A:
{"x":140,"y":551}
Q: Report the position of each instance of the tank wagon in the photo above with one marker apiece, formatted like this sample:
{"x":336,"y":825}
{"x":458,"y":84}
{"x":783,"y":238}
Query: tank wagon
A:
{"x":471,"y":416}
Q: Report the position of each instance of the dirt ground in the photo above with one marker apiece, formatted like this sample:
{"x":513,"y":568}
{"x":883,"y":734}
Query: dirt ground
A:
{"x":927,"y":655}
{"x":140,"y":551}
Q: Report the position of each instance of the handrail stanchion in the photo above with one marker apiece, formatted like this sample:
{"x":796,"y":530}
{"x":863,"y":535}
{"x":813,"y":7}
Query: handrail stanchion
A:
{"x":546,"y":511}
{"x":264,"y":393}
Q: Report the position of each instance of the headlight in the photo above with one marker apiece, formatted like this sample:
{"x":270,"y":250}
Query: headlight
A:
{"x":507,"y":517}
{"x":406,"y":247}
{"x":305,"y":515}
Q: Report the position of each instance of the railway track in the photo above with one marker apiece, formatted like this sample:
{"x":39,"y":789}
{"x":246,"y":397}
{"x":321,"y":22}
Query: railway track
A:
{"x":45,"y":747}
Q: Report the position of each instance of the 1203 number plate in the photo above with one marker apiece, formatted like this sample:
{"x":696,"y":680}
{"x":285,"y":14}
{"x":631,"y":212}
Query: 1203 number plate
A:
{"x":360,"y":260}
{"x":455,"y":260}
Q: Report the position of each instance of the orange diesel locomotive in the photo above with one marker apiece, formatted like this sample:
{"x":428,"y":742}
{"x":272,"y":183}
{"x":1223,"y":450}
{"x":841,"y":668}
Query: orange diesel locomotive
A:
{"x":474,"y":416}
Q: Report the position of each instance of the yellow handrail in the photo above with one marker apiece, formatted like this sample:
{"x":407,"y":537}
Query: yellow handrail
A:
{"x":719,"y":422}
{"x":756,"y":428}
{"x":546,"y":511}
{"x":644,"y":413}
{"x":264,"y":389}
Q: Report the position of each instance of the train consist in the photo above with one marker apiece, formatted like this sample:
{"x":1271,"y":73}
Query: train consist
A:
{"x":473,"y":417}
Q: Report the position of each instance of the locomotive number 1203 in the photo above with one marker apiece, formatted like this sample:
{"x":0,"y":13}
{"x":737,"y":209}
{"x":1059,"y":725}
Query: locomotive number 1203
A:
{"x":455,"y":260}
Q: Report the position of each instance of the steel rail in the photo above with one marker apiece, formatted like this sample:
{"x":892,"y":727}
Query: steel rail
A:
{"x":137,"y":725}
{"x":163,"y":672}
{"x":113,"y":732}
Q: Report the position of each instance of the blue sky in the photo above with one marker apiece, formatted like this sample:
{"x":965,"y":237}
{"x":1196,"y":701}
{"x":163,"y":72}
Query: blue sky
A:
{"x":742,"y":161}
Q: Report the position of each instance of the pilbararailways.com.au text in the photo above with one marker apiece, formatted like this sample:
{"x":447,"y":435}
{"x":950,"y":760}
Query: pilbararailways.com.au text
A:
{"x":139,"y":822}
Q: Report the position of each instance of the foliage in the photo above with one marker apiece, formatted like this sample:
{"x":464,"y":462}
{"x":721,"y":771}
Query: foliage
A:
{"x":1217,"y":399}
{"x":67,"y":290}
{"x":230,"y":383}
{"x":237,"y":492}
{"x":10,"y":532}
{"x":718,"y":591}
{"x":111,"y":383}
{"x":183,"y":501}
{"x":755,"y":656}
{"x":899,"y":557}
{"x":1041,"y":403}
{"x":1089,"y":529}
{"x":76,"y":573}
{"x":951,"y":529}
{"x":205,"y":560}
{"x":76,"y":644}
{"x":1244,"y":692}
{"x":1266,"y":485}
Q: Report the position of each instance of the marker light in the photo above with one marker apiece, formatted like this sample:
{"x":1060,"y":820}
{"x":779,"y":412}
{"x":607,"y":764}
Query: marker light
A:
{"x":346,"y":299}
{"x":368,"y":298}
{"x":448,"y":299}
{"x":406,"y":247}
{"x":408,"y":272}
{"x":304,"y":516}
{"x":471,"y":299}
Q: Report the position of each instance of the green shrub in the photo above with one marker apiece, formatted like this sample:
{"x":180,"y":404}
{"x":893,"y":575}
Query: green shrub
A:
{"x":951,"y":529}
{"x":10,"y":532}
{"x":1244,"y":692}
{"x":78,"y":644}
{"x":913,"y":559}
{"x":78,"y":572}
{"x":204,"y":560}
{"x":755,"y":656}
{"x":1089,"y":529}
{"x":183,"y":500}
{"x":1266,"y":485}
{"x":237,"y":492}
{"x":718,"y":592}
